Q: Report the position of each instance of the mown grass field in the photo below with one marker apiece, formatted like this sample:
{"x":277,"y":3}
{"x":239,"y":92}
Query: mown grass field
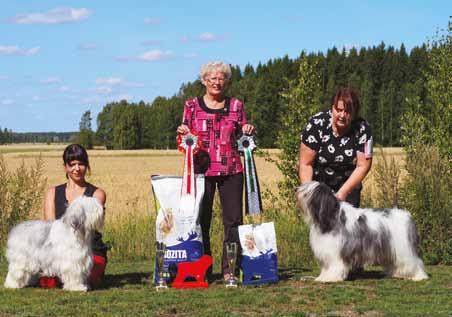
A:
{"x":128,"y":292}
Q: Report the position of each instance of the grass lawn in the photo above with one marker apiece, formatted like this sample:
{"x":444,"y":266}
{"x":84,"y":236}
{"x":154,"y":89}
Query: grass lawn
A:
{"x":128,"y":292}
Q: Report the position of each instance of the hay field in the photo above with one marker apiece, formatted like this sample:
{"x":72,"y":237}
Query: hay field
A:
{"x":125,"y":175}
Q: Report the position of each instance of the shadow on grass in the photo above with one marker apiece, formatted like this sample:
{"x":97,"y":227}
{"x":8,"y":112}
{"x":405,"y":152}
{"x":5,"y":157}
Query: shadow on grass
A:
{"x":286,"y":274}
{"x":366,"y":275}
{"x":121,"y":280}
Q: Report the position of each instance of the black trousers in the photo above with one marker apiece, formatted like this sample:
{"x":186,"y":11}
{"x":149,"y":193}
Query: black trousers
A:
{"x":231,"y":197}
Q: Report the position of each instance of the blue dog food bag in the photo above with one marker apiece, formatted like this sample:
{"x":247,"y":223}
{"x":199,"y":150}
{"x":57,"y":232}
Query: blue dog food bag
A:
{"x":259,"y":253}
{"x":179,"y":231}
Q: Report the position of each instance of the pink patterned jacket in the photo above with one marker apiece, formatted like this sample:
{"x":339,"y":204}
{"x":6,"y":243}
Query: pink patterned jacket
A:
{"x":218,"y":130}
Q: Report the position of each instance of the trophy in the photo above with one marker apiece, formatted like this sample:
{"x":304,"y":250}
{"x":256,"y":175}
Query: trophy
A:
{"x":231,"y":256}
{"x":160,"y":256}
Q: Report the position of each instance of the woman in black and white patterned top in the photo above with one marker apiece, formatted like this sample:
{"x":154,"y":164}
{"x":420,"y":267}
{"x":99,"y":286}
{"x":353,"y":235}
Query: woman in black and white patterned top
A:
{"x":336,"y":147}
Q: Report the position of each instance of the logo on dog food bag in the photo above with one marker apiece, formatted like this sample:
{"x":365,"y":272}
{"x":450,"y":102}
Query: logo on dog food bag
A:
{"x":176,"y":254}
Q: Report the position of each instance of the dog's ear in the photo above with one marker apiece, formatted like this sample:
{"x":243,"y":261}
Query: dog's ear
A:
{"x":325,"y":208}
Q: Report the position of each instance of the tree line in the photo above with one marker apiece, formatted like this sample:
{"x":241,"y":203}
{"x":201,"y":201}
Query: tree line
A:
{"x":6,"y":136}
{"x":384,"y":77}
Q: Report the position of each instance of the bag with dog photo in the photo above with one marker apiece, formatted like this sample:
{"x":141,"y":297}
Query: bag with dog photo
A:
{"x":259,"y":253}
{"x":177,"y":228}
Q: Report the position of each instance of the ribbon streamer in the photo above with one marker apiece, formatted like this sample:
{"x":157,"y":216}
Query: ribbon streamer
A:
{"x":253,"y":201}
{"x":189,"y":144}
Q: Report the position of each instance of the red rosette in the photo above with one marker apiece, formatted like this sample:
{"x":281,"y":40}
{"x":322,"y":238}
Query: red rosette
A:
{"x":191,"y":139}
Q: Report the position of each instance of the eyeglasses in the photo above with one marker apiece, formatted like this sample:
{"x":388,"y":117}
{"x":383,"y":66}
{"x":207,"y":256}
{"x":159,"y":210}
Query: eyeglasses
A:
{"x":216,"y":79}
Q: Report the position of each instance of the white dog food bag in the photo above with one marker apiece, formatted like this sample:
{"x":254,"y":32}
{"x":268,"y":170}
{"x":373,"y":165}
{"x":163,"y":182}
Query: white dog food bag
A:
{"x":259,"y":253}
{"x":179,"y":230}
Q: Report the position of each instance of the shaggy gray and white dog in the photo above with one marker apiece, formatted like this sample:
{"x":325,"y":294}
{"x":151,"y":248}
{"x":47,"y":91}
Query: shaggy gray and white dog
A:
{"x":59,"y":248}
{"x":343,"y":237}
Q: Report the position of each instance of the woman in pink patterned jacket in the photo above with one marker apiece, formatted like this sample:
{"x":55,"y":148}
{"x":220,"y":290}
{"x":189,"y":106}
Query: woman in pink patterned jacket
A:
{"x":218,"y":120}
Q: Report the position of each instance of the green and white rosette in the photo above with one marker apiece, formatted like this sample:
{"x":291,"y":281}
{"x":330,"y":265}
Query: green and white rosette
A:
{"x":253,"y":201}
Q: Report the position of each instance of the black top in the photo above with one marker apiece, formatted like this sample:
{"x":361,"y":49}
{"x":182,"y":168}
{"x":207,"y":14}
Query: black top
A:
{"x":336,"y":156}
{"x":224,"y":110}
{"x":61,"y":204}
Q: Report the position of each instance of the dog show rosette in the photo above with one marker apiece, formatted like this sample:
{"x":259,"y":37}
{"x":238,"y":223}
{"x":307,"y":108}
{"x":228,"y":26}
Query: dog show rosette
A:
{"x":253,"y":202}
{"x":188,"y":144}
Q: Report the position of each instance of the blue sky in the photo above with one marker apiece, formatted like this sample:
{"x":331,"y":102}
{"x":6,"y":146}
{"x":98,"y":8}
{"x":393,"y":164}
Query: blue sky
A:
{"x":61,"y":58}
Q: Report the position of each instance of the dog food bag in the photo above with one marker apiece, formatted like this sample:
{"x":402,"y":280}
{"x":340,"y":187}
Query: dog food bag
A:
{"x":259,"y":253}
{"x":178,"y":229}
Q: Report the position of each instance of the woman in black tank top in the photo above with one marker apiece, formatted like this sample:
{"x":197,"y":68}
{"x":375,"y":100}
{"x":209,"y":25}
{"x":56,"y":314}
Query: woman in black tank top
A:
{"x":57,"y":198}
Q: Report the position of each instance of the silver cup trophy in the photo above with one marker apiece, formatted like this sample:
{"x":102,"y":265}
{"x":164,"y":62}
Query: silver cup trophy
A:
{"x":231,"y":256}
{"x":160,"y":256}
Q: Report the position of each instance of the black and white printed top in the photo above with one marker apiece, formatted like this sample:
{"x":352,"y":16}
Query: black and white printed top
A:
{"x":336,"y":156}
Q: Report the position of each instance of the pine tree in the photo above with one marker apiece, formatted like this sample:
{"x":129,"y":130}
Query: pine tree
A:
{"x":86,"y":136}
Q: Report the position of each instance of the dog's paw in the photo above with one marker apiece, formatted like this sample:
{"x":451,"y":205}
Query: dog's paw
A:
{"x":420,"y":276}
{"x":76,"y":288}
{"x":9,"y":284}
{"x":329,"y":279}
{"x":13,"y":283}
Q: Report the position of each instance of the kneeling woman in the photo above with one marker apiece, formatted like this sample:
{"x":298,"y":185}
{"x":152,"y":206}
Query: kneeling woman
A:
{"x":57,"y":199}
{"x":336,"y":147}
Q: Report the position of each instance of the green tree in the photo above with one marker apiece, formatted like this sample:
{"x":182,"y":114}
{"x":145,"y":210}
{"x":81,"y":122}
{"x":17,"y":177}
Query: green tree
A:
{"x":302,"y":100}
{"x":85,"y":136}
{"x":427,"y":141}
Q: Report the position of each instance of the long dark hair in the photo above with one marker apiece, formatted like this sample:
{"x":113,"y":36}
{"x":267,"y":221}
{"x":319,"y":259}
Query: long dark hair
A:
{"x":76,"y":152}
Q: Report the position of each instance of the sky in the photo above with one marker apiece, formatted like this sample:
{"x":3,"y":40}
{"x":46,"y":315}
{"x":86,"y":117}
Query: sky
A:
{"x":59,"y":59}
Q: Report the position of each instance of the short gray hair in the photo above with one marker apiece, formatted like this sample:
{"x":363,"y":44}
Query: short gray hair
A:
{"x":210,"y":67}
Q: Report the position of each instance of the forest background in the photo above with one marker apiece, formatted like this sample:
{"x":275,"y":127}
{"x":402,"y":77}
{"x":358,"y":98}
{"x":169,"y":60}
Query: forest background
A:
{"x":385,"y":77}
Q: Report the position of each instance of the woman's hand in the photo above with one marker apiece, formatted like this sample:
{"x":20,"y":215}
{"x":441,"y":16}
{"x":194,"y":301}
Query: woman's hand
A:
{"x":183,"y":129}
{"x":341,"y":196}
{"x":248,"y":129}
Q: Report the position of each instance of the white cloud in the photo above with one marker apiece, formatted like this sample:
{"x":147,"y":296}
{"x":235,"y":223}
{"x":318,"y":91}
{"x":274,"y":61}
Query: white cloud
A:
{"x":65,"y":88}
{"x":2,"y":77}
{"x":7,"y":102}
{"x":104,"y":90}
{"x":208,"y":37}
{"x":50,"y":80}
{"x":184,"y":39}
{"x":15,"y":50}
{"x":111,"y":81}
{"x":152,"y":21}
{"x":154,"y":55}
{"x":87,"y":46}
{"x":55,"y":16}
{"x":32,"y":51}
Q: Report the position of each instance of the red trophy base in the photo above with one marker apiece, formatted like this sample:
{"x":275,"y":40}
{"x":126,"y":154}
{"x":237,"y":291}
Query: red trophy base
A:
{"x":196,"y":270}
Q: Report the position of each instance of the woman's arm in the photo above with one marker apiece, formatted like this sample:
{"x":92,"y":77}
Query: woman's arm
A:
{"x":100,"y":195}
{"x":306,"y":166}
{"x":49,"y":205}
{"x":247,"y":128}
{"x":186,"y":125}
{"x":362,"y":168}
